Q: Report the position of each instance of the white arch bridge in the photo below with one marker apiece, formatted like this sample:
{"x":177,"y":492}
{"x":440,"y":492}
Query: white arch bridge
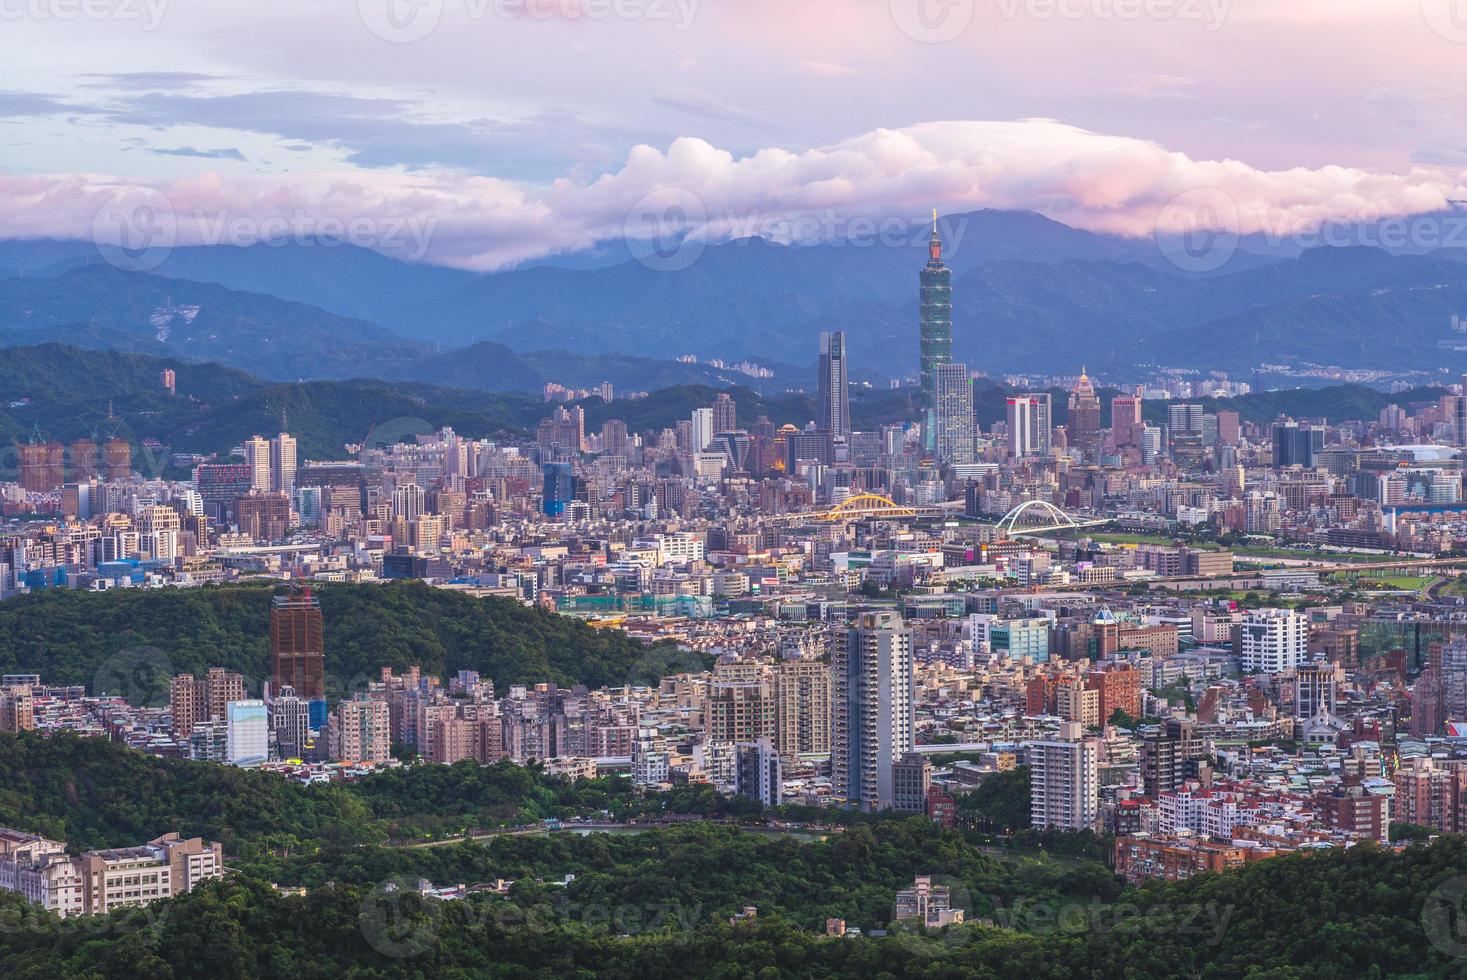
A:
{"x":1041,"y":517}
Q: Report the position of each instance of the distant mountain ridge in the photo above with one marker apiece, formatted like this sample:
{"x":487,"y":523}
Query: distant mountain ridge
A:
{"x":1030,"y":294}
{"x":102,"y":307}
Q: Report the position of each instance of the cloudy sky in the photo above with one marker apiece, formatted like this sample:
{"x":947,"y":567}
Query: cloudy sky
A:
{"x":519,"y":128}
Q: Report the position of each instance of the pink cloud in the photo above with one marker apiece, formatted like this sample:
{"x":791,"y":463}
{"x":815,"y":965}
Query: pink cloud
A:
{"x":1089,"y":180}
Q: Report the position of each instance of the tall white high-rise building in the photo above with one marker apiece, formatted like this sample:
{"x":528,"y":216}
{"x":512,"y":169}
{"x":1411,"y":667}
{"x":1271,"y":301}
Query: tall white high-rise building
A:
{"x":247,"y":739}
{"x":282,"y":463}
{"x":1064,"y":778}
{"x":1150,"y":444}
{"x":257,"y":458}
{"x":408,"y":502}
{"x":872,"y":721}
{"x":956,"y":426}
{"x":702,"y":428}
{"x":1029,"y":424}
{"x":1272,"y":640}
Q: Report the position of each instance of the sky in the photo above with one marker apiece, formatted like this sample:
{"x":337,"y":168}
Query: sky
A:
{"x":482,"y":133}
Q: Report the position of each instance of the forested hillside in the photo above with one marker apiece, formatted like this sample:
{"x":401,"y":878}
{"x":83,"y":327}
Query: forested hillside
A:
{"x":138,"y":637}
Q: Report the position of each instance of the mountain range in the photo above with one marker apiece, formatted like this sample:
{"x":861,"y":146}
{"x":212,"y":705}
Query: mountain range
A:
{"x":1030,"y":294}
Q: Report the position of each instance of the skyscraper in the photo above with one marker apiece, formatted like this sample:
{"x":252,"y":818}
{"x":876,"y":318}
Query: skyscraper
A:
{"x":247,"y":738}
{"x":1295,"y":444}
{"x":1065,"y":780}
{"x":955,"y":422}
{"x":282,"y":463}
{"x":937,"y":317}
{"x":297,"y":645}
{"x":702,"y":428}
{"x":1271,"y":640}
{"x":1029,"y":425}
{"x":872,"y":697}
{"x":560,"y":488}
{"x":801,"y":707}
{"x":1083,"y":428}
{"x":725,"y":413}
{"x":257,"y":458}
{"x":834,"y":392}
{"x":1125,"y":421}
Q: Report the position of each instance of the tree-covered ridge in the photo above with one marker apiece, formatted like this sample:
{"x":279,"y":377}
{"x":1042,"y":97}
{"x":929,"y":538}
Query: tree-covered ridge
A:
{"x":1365,"y":912}
{"x":93,"y":793}
{"x":68,"y":393}
{"x":138,"y":637}
{"x":853,"y":874}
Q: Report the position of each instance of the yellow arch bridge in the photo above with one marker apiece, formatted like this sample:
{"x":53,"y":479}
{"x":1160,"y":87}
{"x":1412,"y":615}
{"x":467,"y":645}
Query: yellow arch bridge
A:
{"x":1032,"y":517}
{"x":874,"y":506}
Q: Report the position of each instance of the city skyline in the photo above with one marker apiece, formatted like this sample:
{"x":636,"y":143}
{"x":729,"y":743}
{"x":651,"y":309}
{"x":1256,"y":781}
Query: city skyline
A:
{"x":655,"y":488}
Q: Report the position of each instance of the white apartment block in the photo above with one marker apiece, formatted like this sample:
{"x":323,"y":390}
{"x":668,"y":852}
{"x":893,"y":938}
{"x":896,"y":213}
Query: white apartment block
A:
{"x":1271,"y":641}
{"x":1065,"y":780}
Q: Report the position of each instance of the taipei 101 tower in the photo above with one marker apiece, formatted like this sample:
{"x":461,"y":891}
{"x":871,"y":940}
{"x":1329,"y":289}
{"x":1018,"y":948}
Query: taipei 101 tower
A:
{"x":937,"y":324}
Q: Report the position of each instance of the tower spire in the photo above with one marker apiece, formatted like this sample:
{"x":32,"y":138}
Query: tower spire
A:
{"x":934,"y":246}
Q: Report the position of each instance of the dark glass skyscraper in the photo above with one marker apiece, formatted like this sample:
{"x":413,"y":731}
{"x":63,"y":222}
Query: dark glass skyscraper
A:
{"x":937,"y":315}
{"x":560,"y":488}
{"x":834,"y":392}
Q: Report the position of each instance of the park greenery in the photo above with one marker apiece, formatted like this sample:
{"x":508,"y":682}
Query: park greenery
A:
{"x":1362,"y":912}
{"x":137,"y":638}
{"x":657,"y":902}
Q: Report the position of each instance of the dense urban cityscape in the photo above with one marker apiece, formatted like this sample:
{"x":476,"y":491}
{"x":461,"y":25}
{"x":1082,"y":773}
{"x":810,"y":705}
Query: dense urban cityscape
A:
{"x":647,"y":489}
{"x":1201,"y":643}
